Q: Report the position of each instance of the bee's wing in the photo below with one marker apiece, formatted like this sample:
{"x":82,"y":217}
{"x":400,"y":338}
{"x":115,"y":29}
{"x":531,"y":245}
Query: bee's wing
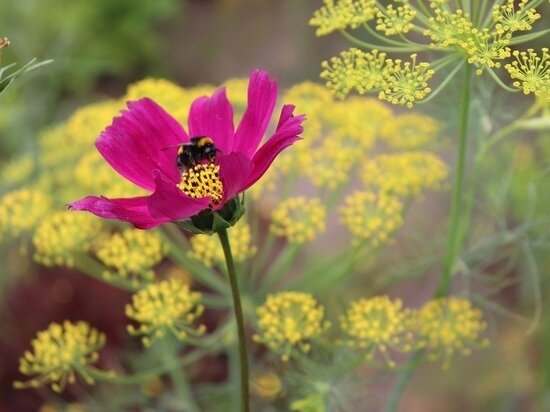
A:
{"x":172,"y":146}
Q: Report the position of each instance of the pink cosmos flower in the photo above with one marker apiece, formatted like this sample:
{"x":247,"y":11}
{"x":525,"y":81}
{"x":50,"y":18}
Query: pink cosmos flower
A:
{"x":142,"y":145}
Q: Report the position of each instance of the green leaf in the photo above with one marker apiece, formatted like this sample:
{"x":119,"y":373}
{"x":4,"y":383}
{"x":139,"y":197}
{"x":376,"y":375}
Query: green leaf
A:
{"x":9,"y":79}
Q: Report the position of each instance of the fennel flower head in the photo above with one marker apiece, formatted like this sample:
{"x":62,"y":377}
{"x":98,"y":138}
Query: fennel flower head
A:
{"x":372,"y":217}
{"x":288,"y":321}
{"x":132,"y":255}
{"x":62,"y":236}
{"x":483,"y":34}
{"x":166,"y":307}
{"x":59,"y":353}
{"x":21,"y":211}
{"x":378,"y":324}
{"x":299,"y":219}
{"x":447,"y":326}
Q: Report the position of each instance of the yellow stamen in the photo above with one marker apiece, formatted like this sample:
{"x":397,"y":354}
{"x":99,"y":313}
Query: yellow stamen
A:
{"x":201,"y":181}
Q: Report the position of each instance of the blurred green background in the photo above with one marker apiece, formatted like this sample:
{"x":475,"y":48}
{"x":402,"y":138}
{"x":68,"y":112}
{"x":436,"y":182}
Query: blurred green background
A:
{"x":101,"y":46}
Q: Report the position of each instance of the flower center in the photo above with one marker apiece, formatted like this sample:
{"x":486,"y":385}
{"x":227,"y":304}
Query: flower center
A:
{"x":202,"y":180}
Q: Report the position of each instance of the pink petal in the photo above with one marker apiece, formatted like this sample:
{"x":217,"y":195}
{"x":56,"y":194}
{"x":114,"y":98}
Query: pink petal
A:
{"x":262,"y":94}
{"x":234,"y":169}
{"x":144,"y":138}
{"x":170,"y":203}
{"x":213,"y":117}
{"x":133,"y":210}
{"x":288,"y":130}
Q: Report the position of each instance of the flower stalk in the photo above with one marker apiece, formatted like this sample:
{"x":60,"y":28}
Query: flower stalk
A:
{"x":237,"y":308}
{"x":454,"y":239}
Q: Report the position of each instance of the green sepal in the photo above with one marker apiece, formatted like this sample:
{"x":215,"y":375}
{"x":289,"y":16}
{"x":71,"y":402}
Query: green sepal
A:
{"x":208,"y":222}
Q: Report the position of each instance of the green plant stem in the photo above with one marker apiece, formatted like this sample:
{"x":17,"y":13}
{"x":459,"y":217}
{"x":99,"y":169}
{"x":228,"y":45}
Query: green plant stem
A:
{"x":168,"y":355}
{"x":142,"y":377}
{"x":367,"y":45}
{"x":198,"y":271}
{"x":402,"y":381}
{"x":96,"y":270}
{"x":237,"y":307}
{"x":280,"y":267}
{"x":453,"y":239}
{"x":443,"y":84}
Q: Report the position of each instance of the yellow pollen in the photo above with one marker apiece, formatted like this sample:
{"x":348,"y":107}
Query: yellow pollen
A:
{"x":201,"y":181}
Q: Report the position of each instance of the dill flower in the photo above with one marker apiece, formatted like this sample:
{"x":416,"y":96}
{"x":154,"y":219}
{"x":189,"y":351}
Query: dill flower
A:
{"x":449,"y":325}
{"x":315,"y":100}
{"x":132,"y":254}
{"x":376,"y":325}
{"x":446,"y":28}
{"x":405,"y":174}
{"x":355,"y":123}
{"x":207,"y":249}
{"x":62,"y":235}
{"x":21,"y":210}
{"x":165,"y":307}
{"x":329,"y":165}
{"x":310,"y":97}
{"x":299,"y":219}
{"x":395,"y":81}
{"x":269,"y":182}
{"x":531,"y":72}
{"x":372,"y":217}
{"x":56,"y":146}
{"x":62,"y":147}
{"x":396,"y":20}
{"x":266,"y":385}
{"x":93,"y":175}
{"x":17,"y":170}
{"x":513,"y":20}
{"x":59,"y":353}
{"x":405,"y":82}
{"x":340,"y":14}
{"x":289,"y":320}
{"x":485,"y":48}
{"x":409,"y":131}
{"x":355,"y":69}
{"x":170,"y":96}
{"x":83,"y":127}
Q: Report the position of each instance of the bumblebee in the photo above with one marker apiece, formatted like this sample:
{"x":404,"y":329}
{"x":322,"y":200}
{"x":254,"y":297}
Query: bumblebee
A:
{"x":199,"y":149}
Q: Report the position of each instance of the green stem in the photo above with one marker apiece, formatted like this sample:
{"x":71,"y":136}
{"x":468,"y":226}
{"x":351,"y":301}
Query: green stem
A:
{"x":367,"y":45}
{"x":385,"y":39}
{"x":178,"y":376}
{"x":402,"y":381}
{"x":224,"y":240}
{"x":443,"y":84}
{"x":95,"y":269}
{"x":142,"y":377}
{"x":198,"y":271}
{"x":453,"y":240}
{"x":500,"y":83}
{"x":280,"y":267}
{"x":265,"y":253}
